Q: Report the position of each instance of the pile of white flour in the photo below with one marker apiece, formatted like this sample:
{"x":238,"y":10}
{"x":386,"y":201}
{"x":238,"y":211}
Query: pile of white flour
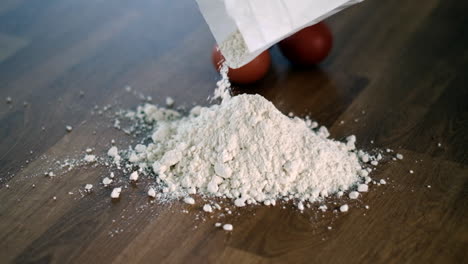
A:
{"x":246,"y":150}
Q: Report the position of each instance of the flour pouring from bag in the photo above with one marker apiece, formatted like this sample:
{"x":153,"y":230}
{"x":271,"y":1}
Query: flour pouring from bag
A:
{"x":245,"y":28}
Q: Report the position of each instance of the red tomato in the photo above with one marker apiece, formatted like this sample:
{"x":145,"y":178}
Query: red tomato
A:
{"x":249,"y":73}
{"x":309,"y":46}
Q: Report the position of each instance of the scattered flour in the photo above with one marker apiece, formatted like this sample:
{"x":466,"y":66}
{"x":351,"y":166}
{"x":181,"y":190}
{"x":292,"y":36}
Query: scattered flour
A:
{"x":363,"y":188}
{"x":243,"y":149}
{"x":90,"y":158}
{"x":134,"y":176}
{"x":228,"y":227}
{"x":189,"y":200}
{"x":169,"y":101}
{"x":353,"y":195}
{"x":344,"y":208}
{"x":106,"y":181}
{"x":323,"y":208}
{"x":114,"y":153}
{"x":300,"y":206}
{"x":151,"y":192}
{"x":116,"y":193}
{"x":207,"y":208}
{"x":88,"y":187}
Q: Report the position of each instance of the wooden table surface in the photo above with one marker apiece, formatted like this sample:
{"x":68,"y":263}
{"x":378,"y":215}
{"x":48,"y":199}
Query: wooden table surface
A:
{"x":404,"y":63}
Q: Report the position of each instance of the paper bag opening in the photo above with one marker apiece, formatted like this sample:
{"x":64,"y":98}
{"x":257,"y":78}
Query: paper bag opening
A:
{"x":245,"y":28}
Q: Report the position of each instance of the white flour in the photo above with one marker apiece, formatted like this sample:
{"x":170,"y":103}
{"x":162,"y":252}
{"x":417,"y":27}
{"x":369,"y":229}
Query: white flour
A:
{"x":246,"y":150}
{"x":223,"y":86}
{"x":234,"y":50}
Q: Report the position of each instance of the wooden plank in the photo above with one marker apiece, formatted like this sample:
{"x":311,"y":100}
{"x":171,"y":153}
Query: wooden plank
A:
{"x":9,"y":45}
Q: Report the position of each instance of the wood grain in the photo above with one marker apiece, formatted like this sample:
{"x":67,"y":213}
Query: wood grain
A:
{"x":397,"y":76}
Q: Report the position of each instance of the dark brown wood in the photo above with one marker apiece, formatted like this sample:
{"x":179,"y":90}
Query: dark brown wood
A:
{"x":404,"y":63}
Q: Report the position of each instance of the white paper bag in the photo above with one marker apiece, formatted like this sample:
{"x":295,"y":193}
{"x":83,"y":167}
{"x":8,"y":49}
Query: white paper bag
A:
{"x":262,"y":23}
